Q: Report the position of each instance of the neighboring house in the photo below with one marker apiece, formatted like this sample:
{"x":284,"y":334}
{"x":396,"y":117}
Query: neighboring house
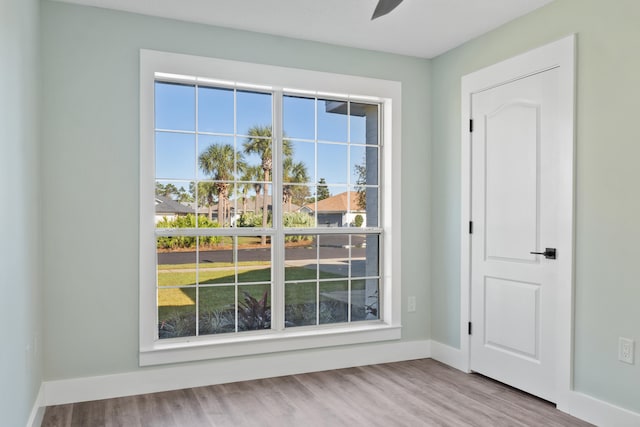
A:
{"x":253,"y":204}
{"x":170,"y":209}
{"x":337,"y":211}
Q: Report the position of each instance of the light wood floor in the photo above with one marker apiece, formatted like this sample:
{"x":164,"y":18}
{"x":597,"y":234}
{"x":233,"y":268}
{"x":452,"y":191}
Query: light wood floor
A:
{"x":414,"y":393}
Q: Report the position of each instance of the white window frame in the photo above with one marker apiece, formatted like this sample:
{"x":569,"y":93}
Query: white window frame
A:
{"x":218,"y":71}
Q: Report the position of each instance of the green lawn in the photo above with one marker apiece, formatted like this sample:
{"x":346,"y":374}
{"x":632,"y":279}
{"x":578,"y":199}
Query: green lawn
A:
{"x":173,"y":301}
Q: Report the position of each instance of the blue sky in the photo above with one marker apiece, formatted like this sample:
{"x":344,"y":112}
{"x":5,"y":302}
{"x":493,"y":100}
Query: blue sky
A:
{"x":176,"y":153}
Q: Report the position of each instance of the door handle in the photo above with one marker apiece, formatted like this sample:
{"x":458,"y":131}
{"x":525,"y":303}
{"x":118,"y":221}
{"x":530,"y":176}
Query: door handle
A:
{"x":549,"y":253}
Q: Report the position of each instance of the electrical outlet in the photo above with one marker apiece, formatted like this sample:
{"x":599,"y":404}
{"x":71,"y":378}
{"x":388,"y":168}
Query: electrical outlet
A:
{"x":411,"y":304}
{"x":625,"y":350}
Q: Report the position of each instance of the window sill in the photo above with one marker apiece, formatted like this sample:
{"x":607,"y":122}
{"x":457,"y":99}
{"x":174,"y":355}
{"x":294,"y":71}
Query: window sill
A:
{"x":247,"y":344}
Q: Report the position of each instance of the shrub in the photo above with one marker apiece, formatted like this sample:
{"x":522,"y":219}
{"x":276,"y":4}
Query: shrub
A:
{"x":297,"y":220}
{"x":186,"y":221}
{"x":250,"y":219}
{"x":254,"y":314}
{"x":358,"y":220}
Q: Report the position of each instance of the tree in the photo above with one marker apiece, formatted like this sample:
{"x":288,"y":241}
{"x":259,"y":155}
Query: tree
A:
{"x":184,"y":196}
{"x":294,"y":173}
{"x":168,"y":190}
{"x":260,"y":142}
{"x":361,"y":171}
{"x":206,"y":195}
{"x":323,"y":190}
{"x":159,"y":189}
{"x":217,"y":161}
{"x":251,"y":175}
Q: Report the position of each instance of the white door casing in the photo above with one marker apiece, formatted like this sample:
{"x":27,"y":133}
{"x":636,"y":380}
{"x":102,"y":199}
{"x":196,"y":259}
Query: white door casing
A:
{"x":517,"y":188}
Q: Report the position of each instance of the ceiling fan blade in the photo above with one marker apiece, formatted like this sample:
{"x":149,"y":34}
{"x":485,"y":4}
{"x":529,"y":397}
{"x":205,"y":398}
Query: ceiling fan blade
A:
{"x":384,"y":7}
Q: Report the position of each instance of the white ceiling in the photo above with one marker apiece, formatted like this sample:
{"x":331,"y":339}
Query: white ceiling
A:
{"x":423,"y":28}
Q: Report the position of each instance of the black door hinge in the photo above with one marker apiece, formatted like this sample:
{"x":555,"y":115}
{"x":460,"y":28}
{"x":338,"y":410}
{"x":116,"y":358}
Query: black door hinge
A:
{"x":469,"y":328}
{"x":470,"y":227}
{"x":470,"y":125}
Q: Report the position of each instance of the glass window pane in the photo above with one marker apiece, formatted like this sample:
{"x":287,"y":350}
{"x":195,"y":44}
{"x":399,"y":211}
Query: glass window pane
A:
{"x":364,"y":300}
{"x":175,"y":155}
{"x":300,"y":257}
{"x":206,"y":198}
{"x":175,"y":106}
{"x":333,"y":260}
{"x":300,"y":304}
{"x":253,"y":111}
{"x":177,"y":260}
{"x":356,"y":215}
{"x":365,"y":255}
{"x":332,"y":163}
{"x":176,"y":312}
{"x":215,"y":110}
{"x":217,"y":204}
{"x":254,"y":307}
{"x":363,"y":120}
{"x":174,"y":207}
{"x":216,"y":157}
{"x":334,"y":302}
{"x":249,"y":207}
{"x":364,"y":165}
{"x":178,"y":190}
{"x":216,"y":308}
{"x":332,"y":120}
{"x":365,"y":203}
{"x":294,"y":212}
{"x":254,"y":260}
{"x":216,"y":260}
{"x":258,"y":154}
{"x":299,"y":117}
{"x":332,"y":206}
{"x":299,"y":165}
{"x":254,"y":150}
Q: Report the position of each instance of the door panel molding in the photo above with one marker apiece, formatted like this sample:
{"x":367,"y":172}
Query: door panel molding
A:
{"x":561,"y":55}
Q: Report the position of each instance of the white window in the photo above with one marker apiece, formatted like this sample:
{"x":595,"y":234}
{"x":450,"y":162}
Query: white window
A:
{"x":266,"y":201}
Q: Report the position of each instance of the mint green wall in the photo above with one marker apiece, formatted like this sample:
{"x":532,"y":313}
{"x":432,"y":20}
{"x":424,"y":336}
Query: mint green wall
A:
{"x":90,"y":169}
{"x":20,"y":304}
{"x":607,"y":176}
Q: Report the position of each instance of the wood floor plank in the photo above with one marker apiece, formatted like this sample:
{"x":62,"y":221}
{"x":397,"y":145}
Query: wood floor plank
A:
{"x":57,"y":416}
{"x":413,"y":393}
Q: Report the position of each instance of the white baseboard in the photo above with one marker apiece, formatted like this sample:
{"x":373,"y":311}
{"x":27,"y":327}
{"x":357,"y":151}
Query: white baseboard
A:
{"x":449,"y":356}
{"x":151,"y":380}
{"x":37,"y":412}
{"x":601,"y":413}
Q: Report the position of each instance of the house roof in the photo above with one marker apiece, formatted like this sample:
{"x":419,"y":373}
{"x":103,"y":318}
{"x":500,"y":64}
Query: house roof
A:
{"x":343,"y":202}
{"x":166,"y":205}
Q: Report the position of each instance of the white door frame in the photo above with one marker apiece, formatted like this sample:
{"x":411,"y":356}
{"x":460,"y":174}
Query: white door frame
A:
{"x":561,"y":55}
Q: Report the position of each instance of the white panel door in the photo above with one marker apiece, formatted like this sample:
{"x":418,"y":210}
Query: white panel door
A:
{"x":514,"y":207}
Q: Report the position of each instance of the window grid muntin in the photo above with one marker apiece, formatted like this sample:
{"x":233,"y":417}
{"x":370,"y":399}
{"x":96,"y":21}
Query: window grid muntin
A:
{"x":350,"y":278}
{"x":276,"y":181}
{"x":209,"y":232}
{"x":233,"y":282}
{"x":318,"y":97}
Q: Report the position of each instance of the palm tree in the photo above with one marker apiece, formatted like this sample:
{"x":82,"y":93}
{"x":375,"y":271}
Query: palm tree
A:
{"x":217,"y":161}
{"x":259,"y":142}
{"x":294,"y":173}
{"x":206,"y":194}
{"x":251,"y":175}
